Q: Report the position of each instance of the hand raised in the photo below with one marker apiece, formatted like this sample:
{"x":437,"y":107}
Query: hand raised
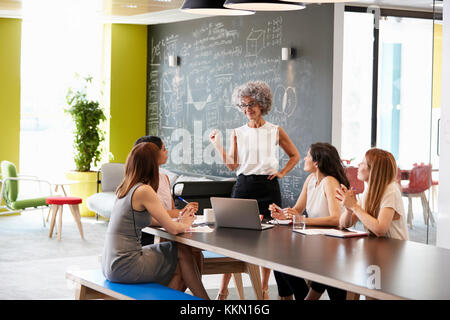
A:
{"x":214,"y":137}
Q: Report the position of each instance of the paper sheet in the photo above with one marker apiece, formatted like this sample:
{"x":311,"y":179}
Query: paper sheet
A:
{"x":347,"y":233}
{"x":196,"y":229}
{"x":200,"y":229}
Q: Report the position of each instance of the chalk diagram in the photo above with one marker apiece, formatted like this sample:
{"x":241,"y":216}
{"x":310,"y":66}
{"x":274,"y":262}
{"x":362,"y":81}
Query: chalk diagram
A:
{"x":255,"y":43}
{"x":167,"y":95}
{"x":285,"y":100}
{"x":224,"y":90}
{"x":199,"y":103}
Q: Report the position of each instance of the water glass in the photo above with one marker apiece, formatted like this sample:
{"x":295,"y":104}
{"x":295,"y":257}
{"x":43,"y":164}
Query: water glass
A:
{"x":298,"y":222}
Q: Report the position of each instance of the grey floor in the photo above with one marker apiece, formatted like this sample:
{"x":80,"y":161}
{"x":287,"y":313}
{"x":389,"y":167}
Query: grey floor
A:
{"x":33,"y":266}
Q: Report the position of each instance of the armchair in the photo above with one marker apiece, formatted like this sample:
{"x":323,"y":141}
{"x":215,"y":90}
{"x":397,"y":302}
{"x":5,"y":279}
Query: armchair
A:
{"x":10,"y":191}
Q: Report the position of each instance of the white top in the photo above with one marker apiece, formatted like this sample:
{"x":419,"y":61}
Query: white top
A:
{"x":392,"y":198}
{"x":257,"y":149}
{"x":164,"y":193}
{"x":316,"y":201}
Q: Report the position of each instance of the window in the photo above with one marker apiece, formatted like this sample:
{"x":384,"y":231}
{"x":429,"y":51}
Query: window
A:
{"x":59,"y":39}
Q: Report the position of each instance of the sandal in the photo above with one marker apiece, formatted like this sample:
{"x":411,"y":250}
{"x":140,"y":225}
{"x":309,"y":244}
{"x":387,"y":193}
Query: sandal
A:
{"x":222,"y":296}
{"x":265,"y":294}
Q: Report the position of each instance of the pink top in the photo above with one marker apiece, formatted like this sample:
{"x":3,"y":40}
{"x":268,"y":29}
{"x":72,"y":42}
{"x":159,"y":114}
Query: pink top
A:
{"x":164,"y":193}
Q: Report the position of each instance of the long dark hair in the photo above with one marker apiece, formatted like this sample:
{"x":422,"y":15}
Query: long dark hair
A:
{"x":329,"y":162}
{"x":141,"y":166}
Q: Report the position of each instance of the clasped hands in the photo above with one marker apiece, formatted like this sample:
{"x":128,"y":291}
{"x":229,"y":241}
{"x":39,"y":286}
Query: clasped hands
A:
{"x":281,"y":214}
{"x":187,"y":214}
{"x":346,"y":197}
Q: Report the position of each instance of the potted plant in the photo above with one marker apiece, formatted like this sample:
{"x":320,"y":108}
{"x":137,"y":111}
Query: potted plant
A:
{"x":87,"y":116}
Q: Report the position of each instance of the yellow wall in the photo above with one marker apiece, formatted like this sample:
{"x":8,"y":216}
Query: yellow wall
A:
{"x":10,"y":40}
{"x":128,"y":88}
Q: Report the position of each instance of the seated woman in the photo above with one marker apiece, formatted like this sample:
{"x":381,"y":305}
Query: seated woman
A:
{"x":318,"y":198}
{"x":381,"y":208}
{"x":124,"y":259}
{"x":164,"y":192}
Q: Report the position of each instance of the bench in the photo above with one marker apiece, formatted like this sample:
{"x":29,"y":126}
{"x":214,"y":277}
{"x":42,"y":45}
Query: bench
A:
{"x":92,"y":284}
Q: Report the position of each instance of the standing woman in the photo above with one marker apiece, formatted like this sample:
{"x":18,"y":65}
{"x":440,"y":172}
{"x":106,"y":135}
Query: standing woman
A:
{"x":124,"y":259}
{"x":381,"y":208}
{"x":254,"y":156}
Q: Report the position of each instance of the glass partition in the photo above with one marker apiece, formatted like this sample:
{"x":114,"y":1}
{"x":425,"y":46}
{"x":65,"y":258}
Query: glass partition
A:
{"x":391,"y":100}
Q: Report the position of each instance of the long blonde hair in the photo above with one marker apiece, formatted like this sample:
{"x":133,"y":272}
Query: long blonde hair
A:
{"x":383,"y":171}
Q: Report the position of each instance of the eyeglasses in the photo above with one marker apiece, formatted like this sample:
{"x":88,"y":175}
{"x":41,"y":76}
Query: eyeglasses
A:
{"x":248,"y":105}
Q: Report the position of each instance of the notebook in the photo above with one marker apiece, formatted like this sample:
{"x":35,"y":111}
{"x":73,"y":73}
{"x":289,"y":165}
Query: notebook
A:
{"x":346,"y":233}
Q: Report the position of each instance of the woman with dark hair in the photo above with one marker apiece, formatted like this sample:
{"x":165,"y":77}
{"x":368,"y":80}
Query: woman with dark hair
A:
{"x":124,"y":259}
{"x":323,"y":209}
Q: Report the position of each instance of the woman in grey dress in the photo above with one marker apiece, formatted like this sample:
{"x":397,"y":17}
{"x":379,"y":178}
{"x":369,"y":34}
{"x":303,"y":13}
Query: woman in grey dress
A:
{"x":124,"y":259}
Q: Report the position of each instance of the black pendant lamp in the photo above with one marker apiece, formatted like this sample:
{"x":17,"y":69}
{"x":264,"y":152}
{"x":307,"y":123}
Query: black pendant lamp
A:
{"x":211,"y":7}
{"x":263,"y":5}
{"x":320,"y":1}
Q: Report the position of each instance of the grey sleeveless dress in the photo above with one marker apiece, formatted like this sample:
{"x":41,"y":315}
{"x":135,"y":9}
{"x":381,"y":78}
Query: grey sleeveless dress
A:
{"x":124,"y":259}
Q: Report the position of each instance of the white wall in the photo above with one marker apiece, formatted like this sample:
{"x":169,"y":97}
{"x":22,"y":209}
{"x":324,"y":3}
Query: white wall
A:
{"x":443,"y":224}
{"x":338,"y":62}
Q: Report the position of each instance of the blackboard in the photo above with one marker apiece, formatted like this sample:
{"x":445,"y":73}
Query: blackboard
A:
{"x":216,"y":54}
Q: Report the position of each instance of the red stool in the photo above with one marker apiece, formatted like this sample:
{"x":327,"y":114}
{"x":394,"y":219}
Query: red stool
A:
{"x":56,"y":206}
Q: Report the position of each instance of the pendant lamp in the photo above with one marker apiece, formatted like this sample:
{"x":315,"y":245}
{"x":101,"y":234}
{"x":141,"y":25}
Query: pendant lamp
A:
{"x":263,"y":5}
{"x":320,"y":1}
{"x":211,"y":7}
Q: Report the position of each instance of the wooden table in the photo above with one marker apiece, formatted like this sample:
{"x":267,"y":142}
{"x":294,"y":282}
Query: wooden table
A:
{"x":407,"y":270}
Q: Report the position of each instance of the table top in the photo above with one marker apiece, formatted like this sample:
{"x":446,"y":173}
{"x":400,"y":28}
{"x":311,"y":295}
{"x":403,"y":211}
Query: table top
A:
{"x":407,"y":270}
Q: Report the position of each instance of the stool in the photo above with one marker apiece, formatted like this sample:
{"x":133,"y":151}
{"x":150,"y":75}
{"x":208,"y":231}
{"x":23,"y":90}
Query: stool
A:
{"x":57,"y":207}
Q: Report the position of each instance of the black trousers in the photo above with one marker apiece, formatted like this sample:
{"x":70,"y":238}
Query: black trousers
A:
{"x":258,"y":187}
{"x":290,"y":285}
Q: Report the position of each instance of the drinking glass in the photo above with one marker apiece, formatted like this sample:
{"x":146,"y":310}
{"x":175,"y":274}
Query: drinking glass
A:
{"x":298,"y":222}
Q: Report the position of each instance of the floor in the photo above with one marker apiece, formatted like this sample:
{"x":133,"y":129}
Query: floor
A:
{"x":33,"y":266}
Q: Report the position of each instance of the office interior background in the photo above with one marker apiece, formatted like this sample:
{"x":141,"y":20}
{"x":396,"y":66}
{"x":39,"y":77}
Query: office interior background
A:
{"x":387,"y":85}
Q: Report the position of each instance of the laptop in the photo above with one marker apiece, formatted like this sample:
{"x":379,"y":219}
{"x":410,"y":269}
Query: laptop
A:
{"x":237,"y":213}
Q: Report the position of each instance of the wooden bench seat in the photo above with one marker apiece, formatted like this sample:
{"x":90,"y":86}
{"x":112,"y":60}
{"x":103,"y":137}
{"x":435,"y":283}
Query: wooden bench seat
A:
{"x":91,"y":284}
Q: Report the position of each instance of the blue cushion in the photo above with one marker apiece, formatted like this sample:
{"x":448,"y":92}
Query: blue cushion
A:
{"x":140,"y":291}
{"x":209,"y":254}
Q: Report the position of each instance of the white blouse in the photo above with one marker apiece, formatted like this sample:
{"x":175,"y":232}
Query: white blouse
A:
{"x":164,"y":193}
{"x":316,"y":201}
{"x":257,"y":149}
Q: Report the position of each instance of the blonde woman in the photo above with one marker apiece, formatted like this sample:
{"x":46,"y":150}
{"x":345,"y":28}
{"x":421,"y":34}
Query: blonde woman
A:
{"x":381,"y":208}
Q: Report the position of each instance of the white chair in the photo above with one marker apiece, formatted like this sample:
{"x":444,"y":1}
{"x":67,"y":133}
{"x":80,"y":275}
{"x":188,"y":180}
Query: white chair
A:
{"x":110,"y":176}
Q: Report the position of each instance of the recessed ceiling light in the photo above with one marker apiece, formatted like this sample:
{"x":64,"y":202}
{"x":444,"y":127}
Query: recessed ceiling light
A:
{"x":131,"y":6}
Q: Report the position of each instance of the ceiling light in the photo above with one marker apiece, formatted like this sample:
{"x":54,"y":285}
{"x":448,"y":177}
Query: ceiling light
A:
{"x":209,"y":7}
{"x":267,"y":5}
